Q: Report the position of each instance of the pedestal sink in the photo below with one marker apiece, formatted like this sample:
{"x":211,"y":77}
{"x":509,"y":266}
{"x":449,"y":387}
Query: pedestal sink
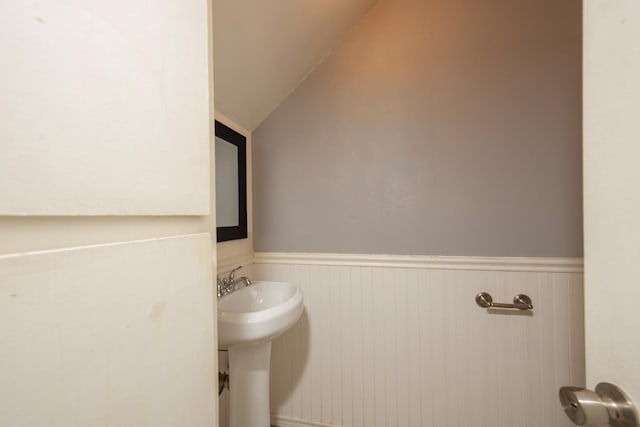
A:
{"x":248,"y":320}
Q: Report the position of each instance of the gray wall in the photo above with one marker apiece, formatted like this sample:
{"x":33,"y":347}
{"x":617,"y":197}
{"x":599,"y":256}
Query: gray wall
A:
{"x":437,"y":127}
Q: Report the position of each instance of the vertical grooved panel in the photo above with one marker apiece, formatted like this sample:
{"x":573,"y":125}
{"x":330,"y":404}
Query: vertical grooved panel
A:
{"x":389,"y":346}
{"x":413,"y":351}
{"x":335,"y":345}
{"x":403,"y":348}
{"x":347,"y":319}
{"x":425,"y":341}
{"x":357,"y":356}
{"x":378,"y":349}
{"x":368,"y":385}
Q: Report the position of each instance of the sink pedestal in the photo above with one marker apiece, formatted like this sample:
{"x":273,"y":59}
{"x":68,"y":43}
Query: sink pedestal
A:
{"x":249,"y":319}
{"x":249,"y":385}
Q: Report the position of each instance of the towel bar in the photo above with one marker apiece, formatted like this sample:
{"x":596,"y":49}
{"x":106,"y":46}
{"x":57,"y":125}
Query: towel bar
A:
{"x":520,"y":302}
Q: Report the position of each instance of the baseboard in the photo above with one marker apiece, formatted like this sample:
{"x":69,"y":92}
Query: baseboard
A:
{"x":282,"y":421}
{"x":551,"y":265}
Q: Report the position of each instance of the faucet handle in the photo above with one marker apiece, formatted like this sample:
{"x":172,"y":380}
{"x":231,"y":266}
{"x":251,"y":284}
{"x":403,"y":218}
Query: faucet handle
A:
{"x":221,"y":284}
{"x":232,"y":274}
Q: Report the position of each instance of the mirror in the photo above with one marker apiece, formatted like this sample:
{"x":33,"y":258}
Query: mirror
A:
{"x":231,"y":184}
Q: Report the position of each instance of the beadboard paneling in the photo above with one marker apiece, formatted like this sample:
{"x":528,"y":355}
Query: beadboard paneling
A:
{"x":408,"y":346}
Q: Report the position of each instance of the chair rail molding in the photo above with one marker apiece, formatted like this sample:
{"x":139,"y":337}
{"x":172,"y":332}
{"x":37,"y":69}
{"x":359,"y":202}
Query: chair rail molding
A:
{"x":525,"y":264}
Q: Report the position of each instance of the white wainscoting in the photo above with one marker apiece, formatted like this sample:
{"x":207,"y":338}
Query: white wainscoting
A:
{"x":400,"y":341}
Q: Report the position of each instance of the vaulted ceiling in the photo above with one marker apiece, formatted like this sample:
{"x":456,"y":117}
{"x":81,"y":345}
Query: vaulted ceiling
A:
{"x":264,"y":48}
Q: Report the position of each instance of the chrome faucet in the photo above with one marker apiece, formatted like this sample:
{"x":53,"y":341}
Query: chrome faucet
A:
{"x":226,"y":285}
{"x":246,"y":280}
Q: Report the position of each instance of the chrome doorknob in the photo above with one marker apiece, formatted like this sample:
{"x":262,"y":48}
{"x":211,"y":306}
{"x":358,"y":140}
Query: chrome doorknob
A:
{"x":608,"y":405}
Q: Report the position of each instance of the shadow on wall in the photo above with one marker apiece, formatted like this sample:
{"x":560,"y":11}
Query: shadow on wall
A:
{"x":293,"y":361}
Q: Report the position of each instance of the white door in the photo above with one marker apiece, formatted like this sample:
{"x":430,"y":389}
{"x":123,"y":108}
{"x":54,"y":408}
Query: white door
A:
{"x":612,"y":192}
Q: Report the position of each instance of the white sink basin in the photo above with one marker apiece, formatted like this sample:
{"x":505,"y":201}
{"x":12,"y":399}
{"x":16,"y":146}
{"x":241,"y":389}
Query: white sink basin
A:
{"x":258,"y":313}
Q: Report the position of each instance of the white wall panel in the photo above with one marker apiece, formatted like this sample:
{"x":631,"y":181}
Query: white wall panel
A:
{"x":105,"y":108}
{"x":408,"y":346}
{"x":111,"y":335}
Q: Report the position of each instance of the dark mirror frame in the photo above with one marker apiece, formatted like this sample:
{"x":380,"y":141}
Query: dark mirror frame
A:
{"x":224,"y":234}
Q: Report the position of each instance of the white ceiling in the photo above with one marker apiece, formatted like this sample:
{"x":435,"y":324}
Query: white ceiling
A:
{"x":264,"y":48}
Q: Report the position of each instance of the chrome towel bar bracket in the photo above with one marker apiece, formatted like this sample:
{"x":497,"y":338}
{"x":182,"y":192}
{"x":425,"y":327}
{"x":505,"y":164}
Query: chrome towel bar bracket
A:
{"x":520,"y":302}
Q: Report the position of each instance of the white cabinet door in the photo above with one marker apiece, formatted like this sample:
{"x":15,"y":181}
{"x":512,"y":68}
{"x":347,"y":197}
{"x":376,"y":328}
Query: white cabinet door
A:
{"x":111,"y":335}
{"x":104,"y":107}
{"x":612,"y":192}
